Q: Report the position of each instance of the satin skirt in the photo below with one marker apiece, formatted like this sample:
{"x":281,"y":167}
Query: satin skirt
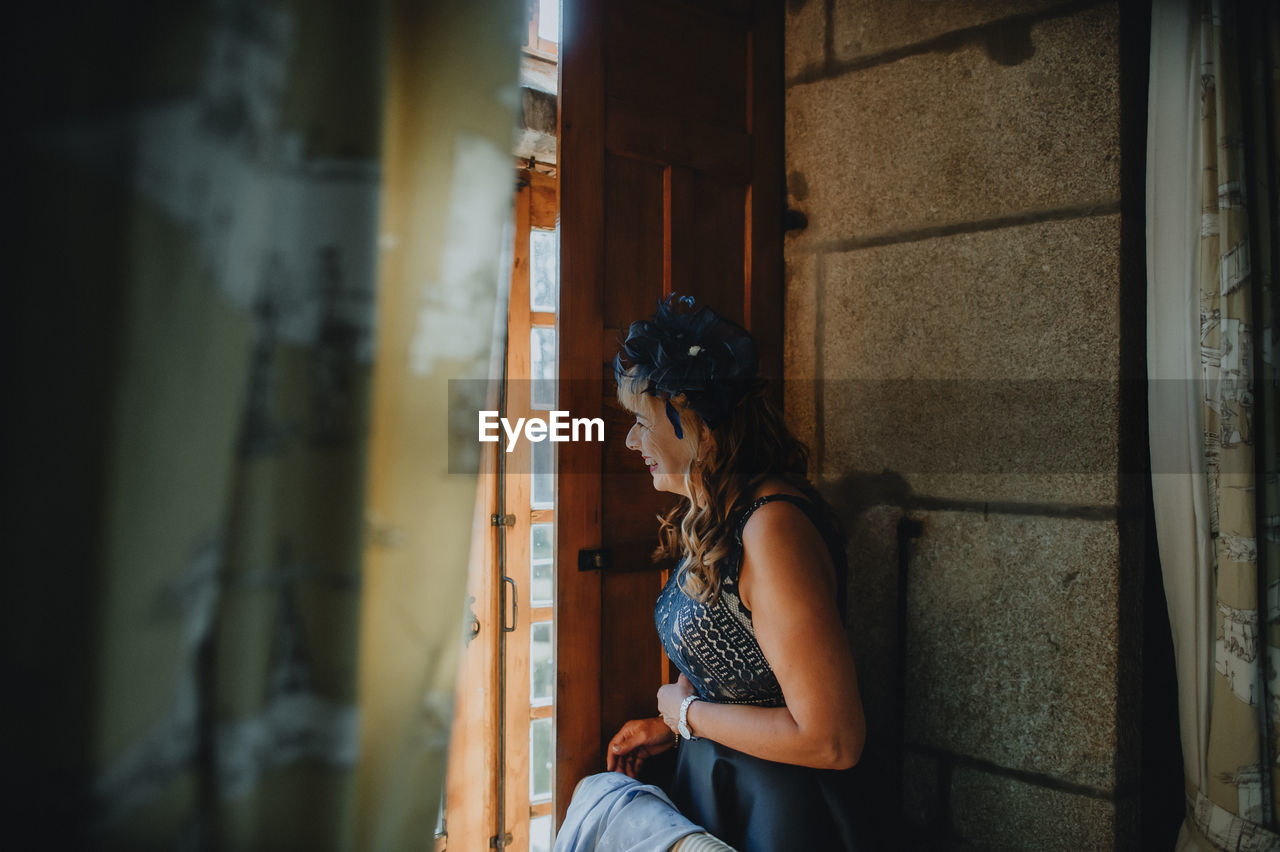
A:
{"x":757,"y":805}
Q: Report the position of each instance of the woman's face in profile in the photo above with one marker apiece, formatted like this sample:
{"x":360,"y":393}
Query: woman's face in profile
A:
{"x":654,"y":438}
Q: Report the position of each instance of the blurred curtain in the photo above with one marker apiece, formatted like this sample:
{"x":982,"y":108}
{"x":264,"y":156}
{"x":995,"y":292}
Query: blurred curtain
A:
{"x":1211,"y":358}
{"x":194,"y":642}
{"x":444,"y":275}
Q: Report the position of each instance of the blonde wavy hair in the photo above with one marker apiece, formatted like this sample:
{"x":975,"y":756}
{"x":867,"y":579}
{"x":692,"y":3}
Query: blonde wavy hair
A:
{"x":749,"y":446}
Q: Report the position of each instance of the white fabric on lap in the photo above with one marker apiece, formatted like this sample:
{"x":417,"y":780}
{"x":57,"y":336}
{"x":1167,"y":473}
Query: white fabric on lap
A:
{"x":702,"y":842}
{"x":611,"y":812}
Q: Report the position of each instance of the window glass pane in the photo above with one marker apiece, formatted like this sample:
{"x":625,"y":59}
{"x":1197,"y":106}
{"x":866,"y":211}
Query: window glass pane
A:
{"x":541,"y":752}
{"x":544,"y":268}
{"x":543,"y":492}
{"x":542,"y":368}
{"x":540,"y":834}
{"x":541,"y":589}
{"x":540,"y":543}
{"x":541,"y":669}
{"x":549,"y":20}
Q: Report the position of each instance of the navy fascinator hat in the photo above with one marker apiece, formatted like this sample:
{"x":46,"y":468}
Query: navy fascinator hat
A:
{"x":683,"y":349}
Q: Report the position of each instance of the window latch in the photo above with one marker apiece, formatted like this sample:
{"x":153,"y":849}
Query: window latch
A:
{"x":600,"y":559}
{"x":502,"y":520}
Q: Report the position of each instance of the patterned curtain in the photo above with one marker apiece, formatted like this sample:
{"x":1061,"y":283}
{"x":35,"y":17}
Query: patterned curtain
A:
{"x":1232,"y":708}
{"x":193,"y":350}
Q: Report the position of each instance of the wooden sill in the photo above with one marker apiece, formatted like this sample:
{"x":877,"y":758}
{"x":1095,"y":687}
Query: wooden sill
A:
{"x":539,"y":54}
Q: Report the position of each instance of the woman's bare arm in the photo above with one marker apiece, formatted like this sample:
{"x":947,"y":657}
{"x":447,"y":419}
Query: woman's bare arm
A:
{"x":787,"y":581}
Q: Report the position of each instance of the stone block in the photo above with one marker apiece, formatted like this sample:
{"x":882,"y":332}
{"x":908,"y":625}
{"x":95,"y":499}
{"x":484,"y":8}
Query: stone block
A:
{"x":535,"y":134}
{"x":863,"y":28}
{"x":943,"y":138}
{"x":978,"y":441}
{"x":798,"y":349}
{"x":1013,"y":643}
{"x":873,"y":616}
{"x":806,"y":36}
{"x":921,"y":799}
{"x":1086,"y":491}
{"x":978,"y":366}
{"x":997,"y":813}
{"x":1036,"y":301}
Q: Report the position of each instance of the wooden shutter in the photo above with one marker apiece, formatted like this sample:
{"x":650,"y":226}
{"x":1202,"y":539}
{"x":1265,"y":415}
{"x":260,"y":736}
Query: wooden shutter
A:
{"x":670,"y":166}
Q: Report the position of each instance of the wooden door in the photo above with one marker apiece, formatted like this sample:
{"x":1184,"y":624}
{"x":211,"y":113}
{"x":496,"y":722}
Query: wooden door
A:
{"x":671,"y":175}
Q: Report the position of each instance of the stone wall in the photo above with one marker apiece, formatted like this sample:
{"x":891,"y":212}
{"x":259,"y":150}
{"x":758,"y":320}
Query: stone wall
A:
{"x":962,"y":312}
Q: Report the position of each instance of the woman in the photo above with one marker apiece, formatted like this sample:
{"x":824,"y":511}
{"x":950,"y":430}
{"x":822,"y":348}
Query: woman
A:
{"x":766,"y":711}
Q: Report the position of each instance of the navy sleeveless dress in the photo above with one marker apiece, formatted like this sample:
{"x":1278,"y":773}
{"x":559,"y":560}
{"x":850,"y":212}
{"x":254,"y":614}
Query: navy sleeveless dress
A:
{"x":752,"y":804}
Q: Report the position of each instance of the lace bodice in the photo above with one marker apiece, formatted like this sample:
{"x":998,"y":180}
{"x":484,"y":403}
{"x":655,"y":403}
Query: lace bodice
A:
{"x":715,"y":646}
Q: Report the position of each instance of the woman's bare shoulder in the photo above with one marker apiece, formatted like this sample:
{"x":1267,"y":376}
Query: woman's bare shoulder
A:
{"x":766,"y":520}
{"x":783,"y":539}
{"x":777,"y":485}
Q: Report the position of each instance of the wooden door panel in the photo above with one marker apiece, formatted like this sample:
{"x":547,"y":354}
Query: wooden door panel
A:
{"x":679,"y":59}
{"x":670,"y":164}
{"x":633,"y":238}
{"x":634,"y":663}
{"x":650,"y":133}
{"x":634,"y":256}
{"x":741,"y":11}
{"x":717,"y":217}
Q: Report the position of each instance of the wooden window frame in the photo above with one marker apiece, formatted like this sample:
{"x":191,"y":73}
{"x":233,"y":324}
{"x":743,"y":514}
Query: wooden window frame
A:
{"x":534,"y":44}
{"x":473,"y":810}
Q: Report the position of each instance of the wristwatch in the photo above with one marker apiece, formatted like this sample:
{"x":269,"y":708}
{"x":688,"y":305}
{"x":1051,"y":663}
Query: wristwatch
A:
{"x":684,"y":717}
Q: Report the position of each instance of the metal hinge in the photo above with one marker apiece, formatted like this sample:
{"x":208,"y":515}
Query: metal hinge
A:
{"x":500,"y":843}
{"x":793,"y":220}
{"x":496,"y":520}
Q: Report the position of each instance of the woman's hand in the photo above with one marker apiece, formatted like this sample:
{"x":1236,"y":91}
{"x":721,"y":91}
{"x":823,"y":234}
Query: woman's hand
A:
{"x":670,"y":697}
{"x":636,"y":742}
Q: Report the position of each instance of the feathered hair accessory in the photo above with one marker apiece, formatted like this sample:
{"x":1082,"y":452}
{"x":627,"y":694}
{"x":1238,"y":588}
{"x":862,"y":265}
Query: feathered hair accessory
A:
{"x":695,"y":352}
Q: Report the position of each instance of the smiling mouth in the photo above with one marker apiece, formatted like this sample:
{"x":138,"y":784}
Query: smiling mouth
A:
{"x":653,"y":466}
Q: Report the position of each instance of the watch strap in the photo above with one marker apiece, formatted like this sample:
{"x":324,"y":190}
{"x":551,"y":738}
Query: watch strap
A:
{"x":684,"y":717}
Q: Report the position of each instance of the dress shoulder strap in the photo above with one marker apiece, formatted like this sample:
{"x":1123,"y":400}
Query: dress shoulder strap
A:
{"x":835,"y":543}
{"x":805,"y":505}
